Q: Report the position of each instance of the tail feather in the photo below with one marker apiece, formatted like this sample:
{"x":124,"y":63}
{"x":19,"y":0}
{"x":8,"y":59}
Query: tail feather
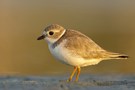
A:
{"x":124,"y":56}
{"x":119,"y":56}
{"x":112,"y":55}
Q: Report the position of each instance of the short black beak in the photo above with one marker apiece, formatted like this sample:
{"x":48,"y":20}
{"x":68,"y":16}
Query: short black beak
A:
{"x":41,"y":37}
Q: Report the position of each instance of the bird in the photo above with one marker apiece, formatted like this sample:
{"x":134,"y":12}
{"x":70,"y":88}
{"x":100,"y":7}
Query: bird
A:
{"x":74,"y":48}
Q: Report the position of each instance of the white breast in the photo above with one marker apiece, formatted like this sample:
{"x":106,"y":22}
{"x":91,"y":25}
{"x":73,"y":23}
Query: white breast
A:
{"x":64,"y":55}
{"x":58,"y":52}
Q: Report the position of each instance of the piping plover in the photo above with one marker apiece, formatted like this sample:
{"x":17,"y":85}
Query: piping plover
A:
{"x":74,"y":48}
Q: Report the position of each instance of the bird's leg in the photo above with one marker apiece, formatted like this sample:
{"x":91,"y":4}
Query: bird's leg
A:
{"x":71,"y":76}
{"x":78,"y":73}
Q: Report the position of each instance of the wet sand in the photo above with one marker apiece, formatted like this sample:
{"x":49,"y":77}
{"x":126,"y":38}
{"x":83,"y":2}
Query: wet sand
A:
{"x":86,"y":82}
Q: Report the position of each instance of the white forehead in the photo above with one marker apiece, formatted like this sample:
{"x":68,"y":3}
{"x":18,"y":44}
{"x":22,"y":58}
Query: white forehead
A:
{"x":44,"y":32}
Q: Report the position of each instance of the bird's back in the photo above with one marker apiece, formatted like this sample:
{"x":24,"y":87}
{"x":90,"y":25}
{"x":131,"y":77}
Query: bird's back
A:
{"x":81,"y":45}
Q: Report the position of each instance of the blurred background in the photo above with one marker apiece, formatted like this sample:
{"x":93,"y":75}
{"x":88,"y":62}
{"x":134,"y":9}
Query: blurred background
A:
{"x":110,"y":23}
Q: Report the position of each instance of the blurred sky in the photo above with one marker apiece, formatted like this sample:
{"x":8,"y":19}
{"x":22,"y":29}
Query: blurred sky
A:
{"x":110,"y":23}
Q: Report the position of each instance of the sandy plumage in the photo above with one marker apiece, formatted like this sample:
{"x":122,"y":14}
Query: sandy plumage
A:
{"x":81,"y":45}
{"x":76,"y":49}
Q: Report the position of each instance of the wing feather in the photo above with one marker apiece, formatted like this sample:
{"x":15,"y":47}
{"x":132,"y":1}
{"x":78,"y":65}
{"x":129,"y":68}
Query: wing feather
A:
{"x":81,"y":45}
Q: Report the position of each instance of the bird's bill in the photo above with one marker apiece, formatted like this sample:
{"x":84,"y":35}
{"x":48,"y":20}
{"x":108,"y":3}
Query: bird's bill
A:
{"x":41,"y":37}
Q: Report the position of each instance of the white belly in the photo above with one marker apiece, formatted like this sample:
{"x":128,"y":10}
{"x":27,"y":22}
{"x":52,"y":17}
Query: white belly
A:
{"x":65,"y":56}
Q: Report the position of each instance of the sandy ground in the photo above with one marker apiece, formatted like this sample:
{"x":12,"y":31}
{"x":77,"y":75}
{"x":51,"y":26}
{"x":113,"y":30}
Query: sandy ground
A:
{"x":86,"y":82}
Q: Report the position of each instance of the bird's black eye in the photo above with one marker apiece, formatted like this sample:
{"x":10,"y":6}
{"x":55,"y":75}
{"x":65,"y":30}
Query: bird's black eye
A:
{"x":51,"y":33}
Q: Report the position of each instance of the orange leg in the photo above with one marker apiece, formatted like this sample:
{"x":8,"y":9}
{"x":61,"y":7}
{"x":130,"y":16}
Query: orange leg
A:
{"x":71,"y":76}
{"x":78,"y":73}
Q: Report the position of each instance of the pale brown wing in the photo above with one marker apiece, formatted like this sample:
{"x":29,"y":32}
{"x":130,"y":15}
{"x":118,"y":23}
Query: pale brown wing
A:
{"x":80,"y":44}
